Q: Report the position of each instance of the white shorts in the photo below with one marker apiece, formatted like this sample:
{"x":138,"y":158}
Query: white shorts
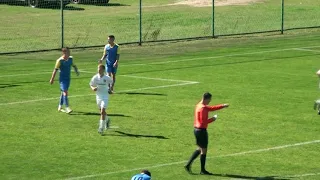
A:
{"x":102,"y":103}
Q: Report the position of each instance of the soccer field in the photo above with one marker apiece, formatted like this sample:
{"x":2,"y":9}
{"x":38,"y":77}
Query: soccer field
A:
{"x":270,"y":130}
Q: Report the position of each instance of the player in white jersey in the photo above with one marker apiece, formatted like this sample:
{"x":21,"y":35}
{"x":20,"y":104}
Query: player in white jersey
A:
{"x":100,"y":84}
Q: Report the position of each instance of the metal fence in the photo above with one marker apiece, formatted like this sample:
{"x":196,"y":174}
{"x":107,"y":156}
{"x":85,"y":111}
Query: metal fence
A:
{"x":51,"y":27}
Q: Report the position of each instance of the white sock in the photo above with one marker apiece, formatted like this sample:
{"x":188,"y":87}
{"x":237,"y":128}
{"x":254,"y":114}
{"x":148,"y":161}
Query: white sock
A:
{"x":101,"y":124}
{"x":104,"y":124}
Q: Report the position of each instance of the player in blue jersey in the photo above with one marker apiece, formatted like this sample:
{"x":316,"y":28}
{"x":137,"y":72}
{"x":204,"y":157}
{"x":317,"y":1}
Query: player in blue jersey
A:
{"x":111,"y":54}
{"x":63,"y":64}
{"x":144,"y":175}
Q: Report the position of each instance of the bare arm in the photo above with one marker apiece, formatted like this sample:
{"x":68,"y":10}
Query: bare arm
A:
{"x":76,"y":70}
{"x":117,"y":58}
{"x":53,"y":75}
{"x":94,"y":88}
{"x":117,"y":61}
{"x":103,"y":56}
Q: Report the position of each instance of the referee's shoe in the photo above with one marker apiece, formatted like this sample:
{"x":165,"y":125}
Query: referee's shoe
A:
{"x":205,"y":172}
{"x":188,"y":169}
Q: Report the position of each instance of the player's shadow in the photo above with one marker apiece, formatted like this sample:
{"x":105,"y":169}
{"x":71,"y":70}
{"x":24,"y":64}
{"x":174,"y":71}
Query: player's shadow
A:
{"x":117,"y":115}
{"x":96,"y":114}
{"x":8,"y":85}
{"x":247,"y":177}
{"x":142,"y":93}
{"x":85,"y":113}
{"x":121,"y":133}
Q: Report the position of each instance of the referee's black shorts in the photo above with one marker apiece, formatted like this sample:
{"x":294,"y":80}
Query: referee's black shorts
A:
{"x":201,"y":137}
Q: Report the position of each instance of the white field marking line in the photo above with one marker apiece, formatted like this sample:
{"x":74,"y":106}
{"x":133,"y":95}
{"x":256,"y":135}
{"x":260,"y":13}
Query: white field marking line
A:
{"x":44,"y":99}
{"x":304,"y":49}
{"x":91,"y":72}
{"x":157,"y":87}
{"x":301,"y":175}
{"x":210,"y":57}
{"x":181,"y":162}
{"x":272,"y":148}
{"x":158,"y":79}
{"x":128,"y":90}
{"x":12,"y":75}
{"x":191,"y":59}
{"x":215,"y":57}
{"x":46,"y":72}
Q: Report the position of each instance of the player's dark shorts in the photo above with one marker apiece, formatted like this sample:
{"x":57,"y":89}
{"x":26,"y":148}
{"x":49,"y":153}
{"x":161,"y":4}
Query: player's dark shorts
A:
{"x":201,"y":137}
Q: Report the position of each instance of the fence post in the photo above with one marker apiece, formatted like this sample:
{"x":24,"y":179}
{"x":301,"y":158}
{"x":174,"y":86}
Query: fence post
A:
{"x":282,"y":16}
{"x":213,"y":35}
{"x":140,"y":23}
{"x":62,"y":24}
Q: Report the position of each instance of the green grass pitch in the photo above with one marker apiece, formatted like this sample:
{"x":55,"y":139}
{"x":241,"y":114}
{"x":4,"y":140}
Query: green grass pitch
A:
{"x":269,"y":131}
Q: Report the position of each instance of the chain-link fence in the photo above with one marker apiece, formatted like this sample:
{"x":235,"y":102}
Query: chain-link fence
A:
{"x":52,"y":24}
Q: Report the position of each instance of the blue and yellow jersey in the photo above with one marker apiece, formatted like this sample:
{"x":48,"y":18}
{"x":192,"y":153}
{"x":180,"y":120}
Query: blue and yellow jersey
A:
{"x":111,"y":53}
{"x":64,"y":67}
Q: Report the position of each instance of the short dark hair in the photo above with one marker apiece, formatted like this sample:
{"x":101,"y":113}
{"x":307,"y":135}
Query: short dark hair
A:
{"x":207,"y":95}
{"x":146,"y":172}
{"x":102,"y":66}
{"x":111,"y":36}
{"x":64,"y":49}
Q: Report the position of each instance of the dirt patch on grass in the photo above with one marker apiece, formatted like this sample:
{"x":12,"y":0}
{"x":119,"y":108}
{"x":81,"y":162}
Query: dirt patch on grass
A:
{"x":204,"y":3}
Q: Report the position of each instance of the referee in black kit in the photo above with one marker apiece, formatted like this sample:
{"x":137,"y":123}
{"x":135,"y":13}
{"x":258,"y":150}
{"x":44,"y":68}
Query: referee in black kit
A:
{"x":201,"y":122}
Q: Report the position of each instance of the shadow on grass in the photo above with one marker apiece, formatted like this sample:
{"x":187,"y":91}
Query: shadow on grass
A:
{"x":235,"y":176}
{"x":250,"y":177}
{"x":96,"y":114}
{"x":8,"y":85}
{"x":142,"y":93}
{"x":121,"y":133}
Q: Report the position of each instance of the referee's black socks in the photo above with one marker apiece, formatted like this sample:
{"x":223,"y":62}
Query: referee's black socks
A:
{"x":203,"y":158}
{"x":195,"y":154}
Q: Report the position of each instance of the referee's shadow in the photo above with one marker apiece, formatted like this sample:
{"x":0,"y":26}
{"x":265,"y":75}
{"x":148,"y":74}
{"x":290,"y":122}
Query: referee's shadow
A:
{"x":250,"y":177}
{"x":235,"y":176}
{"x":121,"y":133}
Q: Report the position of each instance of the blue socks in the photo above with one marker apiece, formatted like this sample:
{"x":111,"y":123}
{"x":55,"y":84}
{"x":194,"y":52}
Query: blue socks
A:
{"x":66,"y":102}
{"x":61,"y":100}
